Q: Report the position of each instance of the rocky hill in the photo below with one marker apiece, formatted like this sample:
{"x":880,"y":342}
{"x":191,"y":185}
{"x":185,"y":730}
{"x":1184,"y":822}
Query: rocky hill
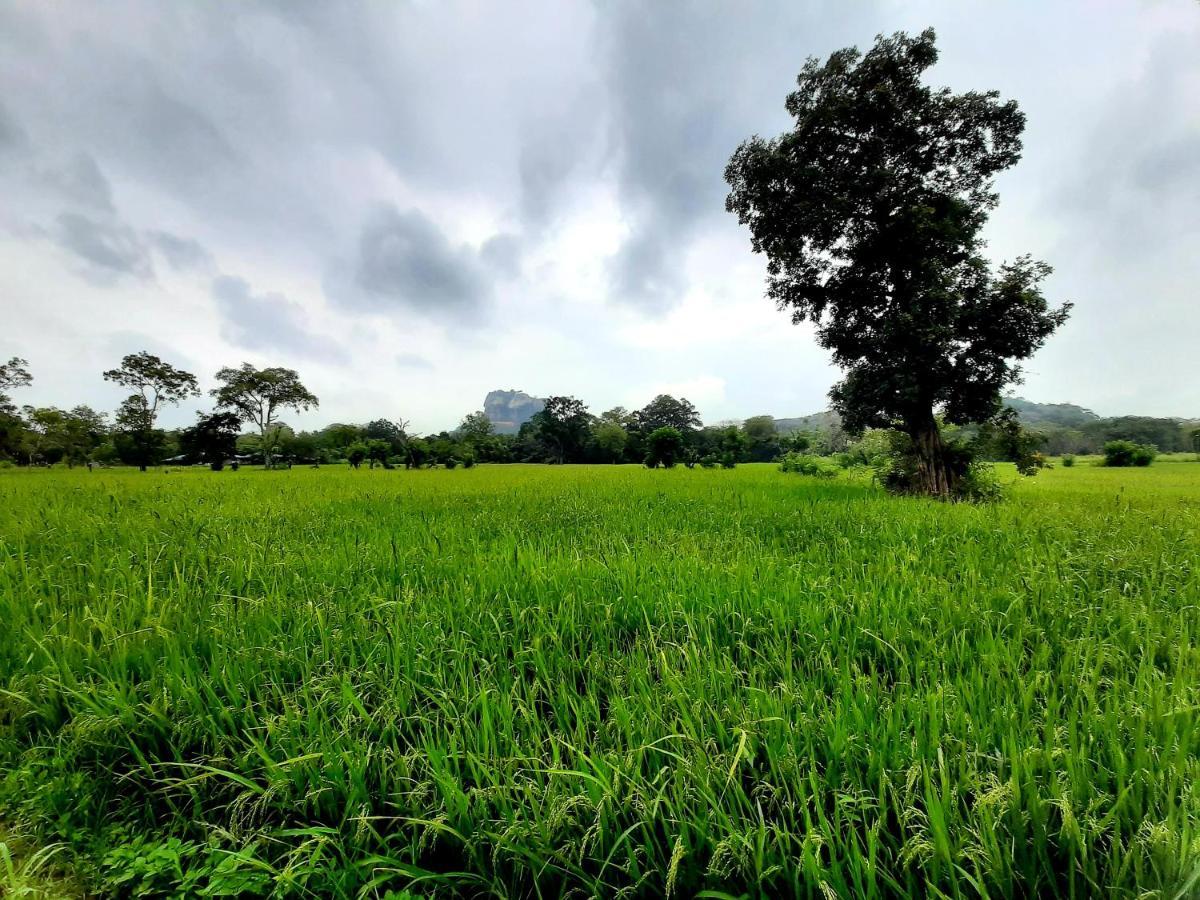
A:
{"x":509,"y":410}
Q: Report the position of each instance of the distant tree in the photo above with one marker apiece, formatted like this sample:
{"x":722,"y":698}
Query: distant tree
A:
{"x":762,"y":438}
{"x":338,"y":436}
{"x":155,"y":381}
{"x":870,"y":212}
{"x":212,"y":440}
{"x":303,"y":446}
{"x":664,"y":411}
{"x":387,"y":430}
{"x":476,"y":427}
{"x":356,"y":453}
{"x":619,"y":415}
{"x":13,"y":374}
{"x":417,"y":453}
{"x":1165,"y":434}
{"x":664,"y":447}
{"x":379,"y":452}
{"x":258,"y":395}
{"x":732,"y":442}
{"x":55,"y":435}
{"x":562,"y":428}
{"x":610,"y":440}
{"x":1003,"y":438}
{"x":796,"y":442}
{"x":136,"y":440}
{"x":1194,"y":440}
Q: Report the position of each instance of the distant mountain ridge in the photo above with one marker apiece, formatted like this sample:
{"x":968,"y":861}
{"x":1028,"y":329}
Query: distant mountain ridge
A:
{"x":1032,"y":414}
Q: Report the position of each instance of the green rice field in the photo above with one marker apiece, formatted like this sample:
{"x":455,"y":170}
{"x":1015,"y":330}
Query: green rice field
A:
{"x":530,"y":681}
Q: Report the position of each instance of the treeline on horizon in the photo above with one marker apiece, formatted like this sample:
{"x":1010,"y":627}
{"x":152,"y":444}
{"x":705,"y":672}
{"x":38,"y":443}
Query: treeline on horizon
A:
{"x":664,"y":432}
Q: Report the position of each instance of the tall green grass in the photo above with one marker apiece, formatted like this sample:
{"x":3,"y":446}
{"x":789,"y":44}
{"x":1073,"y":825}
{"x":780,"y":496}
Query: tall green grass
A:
{"x":527,"y":681}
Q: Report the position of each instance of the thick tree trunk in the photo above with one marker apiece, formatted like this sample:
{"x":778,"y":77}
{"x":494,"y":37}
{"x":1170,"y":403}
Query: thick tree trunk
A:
{"x":934,"y":477}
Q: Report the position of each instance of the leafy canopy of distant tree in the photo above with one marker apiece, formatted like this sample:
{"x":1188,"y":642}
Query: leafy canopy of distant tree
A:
{"x":155,"y":381}
{"x":212,"y":440}
{"x":869,"y":211}
{"x":257,"y":396}
{"x":664,"y":447}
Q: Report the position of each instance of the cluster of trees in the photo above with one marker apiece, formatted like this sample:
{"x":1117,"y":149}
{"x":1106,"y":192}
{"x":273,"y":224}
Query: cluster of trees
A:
{"x":665,"y":432}
{"x":245,"y":395}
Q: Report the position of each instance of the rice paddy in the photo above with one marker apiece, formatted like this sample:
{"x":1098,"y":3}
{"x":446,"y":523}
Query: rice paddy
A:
{"x":601,"y":681}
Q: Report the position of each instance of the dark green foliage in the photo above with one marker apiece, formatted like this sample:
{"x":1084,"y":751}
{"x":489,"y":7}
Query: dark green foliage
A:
{"x":1003,"y":438}
{"x":1119,"y":454}
{"x":807,"y":464}
{"x":378,"y":452}
{"x":870,"y":212}
{"x":664,"y":447}
{"x":562,"y":429}
{"x":356,"y":454}
{"x":664,"y":411}
{"x":1068,"y":461}
{"x":212,"y":440}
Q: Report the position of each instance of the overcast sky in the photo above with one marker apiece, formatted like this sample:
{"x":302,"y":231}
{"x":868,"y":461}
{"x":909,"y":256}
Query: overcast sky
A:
{"x":414,"y":203}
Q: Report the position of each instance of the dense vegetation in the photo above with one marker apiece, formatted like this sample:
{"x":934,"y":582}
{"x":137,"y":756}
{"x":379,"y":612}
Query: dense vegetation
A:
{"x":510,"y":681}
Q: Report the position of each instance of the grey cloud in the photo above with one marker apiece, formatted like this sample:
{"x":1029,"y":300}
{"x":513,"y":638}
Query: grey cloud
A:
{"x":503,"y":253}
{"x":413,"y":361}
{"x":108,"y":250}
{"x":1138,"y":179}
{"x":12,"y":135}
{"x":181,"y":254}
{"x":687,"y":85}
{"x":403,"y":261}
{"x":82,"y":182}
{"x":268,"y":322}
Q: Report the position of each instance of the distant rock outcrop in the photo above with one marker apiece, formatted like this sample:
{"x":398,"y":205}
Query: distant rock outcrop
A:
{"x":509,"y":410}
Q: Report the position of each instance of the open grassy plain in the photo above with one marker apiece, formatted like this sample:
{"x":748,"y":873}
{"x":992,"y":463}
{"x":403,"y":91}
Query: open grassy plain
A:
{"x":531,"y":681}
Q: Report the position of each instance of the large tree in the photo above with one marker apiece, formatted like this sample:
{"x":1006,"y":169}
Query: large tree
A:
{"x":562,"y":427}
{"x":869,"y":211}
{"x":258,"y":395}
{"x":156,"y":381}
{"x":664,"y":411}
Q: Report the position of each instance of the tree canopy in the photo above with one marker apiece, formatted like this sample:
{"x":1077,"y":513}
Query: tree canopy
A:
{"x":257,"y":396}
{"x":156,"y":381}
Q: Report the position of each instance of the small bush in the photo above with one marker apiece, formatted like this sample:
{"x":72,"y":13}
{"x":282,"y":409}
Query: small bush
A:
{"x":807,"y":464}
{"x":708,"y":462}
{"x":451,"y":463}
{"x":980,"y":484}
{"x":1068,"y":461}
{"x":1121,"y":454}
{"x":728,"y":460}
